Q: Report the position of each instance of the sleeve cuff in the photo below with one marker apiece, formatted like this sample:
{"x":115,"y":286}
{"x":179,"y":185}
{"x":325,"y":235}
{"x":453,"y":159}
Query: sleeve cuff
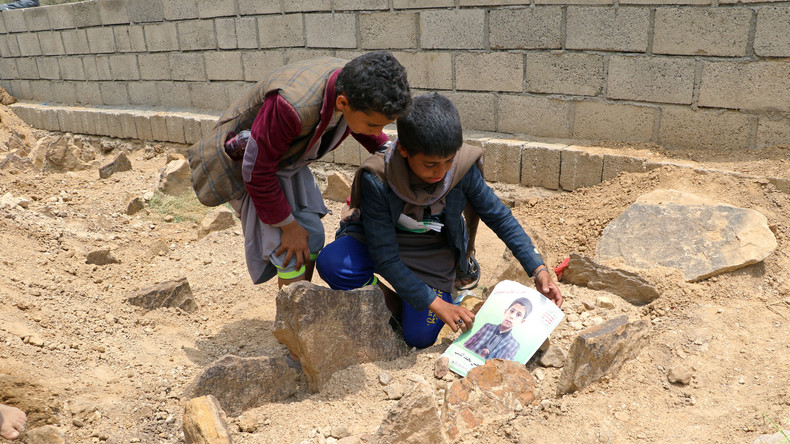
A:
{"x":285,"y":221}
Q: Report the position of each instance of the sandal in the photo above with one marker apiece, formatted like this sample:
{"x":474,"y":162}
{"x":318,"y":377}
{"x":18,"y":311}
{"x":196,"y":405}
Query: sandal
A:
{"x":473,"y":276}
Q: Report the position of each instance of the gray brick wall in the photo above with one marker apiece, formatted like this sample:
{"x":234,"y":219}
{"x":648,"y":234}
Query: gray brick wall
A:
{"x":683,"y":73}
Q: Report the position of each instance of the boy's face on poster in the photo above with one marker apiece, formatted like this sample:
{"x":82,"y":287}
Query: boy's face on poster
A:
{"x":514,"y":315}
{"x":430,"y":169}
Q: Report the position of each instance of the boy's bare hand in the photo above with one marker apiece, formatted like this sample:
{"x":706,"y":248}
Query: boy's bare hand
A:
{"x":546,"y":286}
{"x":294,"y":241}
{"x":450,"y":314}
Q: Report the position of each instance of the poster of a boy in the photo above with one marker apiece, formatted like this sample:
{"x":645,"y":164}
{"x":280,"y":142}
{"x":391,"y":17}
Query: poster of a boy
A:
{"x":497,"y":341}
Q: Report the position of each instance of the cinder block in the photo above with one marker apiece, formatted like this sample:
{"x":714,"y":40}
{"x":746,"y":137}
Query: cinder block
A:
{"x":128,"y":125}
{"x":348,"y":153}
{"x":187,"y":66}
{"x":75,"y":41}
{"x":232,"y":91}
{"x":772,"y":132}
{"x":113,"y":12}
{"x":87,"y":93}
{"x":154,"y":66}
{"x":180,"y":9}
{"x":161,"y":37}
{"x":175,"y":128}
{"x":28,"y":43}
{"x":565,"y":73}
{"x":124,"y":67}
{"x":226,"y":33}
{"x":721,"y":130}
{"x":114,"y":93}
{"x":256,"y":8}
{"x":477,"y":110}
{"x":388,"y":30}
{"x":429,"y":70}
{"x":772,"y":38}
{"x":702,"y":31}
{"x":145,"y":11}
{"x":14,"y":20}
{"x":87,"y":119}
{"x":102,"y":67}
{"x":101,"y":40}
{"x":191,"y":129}
{"x":59,"y":16}
{"x":67,"y":121}
{"x":129,"y":38}
{"x":534,"y":115}
{"x":48,"y":68}
{"x":259,"y":63}
{"x":143,"y":93}
{"x":750,"y":85}
{"x":210,"y":96}
{"x":102,"y":121}
{"x":543,"y":24}
{"x":8,"y":69}
{"x":21,"y":89}
{"x":91,"y":68}
{"x":307,"y":5}
{"x":142,"y":122}
{"x":207,"y":126}
{"x":51,"y":42}
{"x":281,"y":31}
{"x":9,"y":46}
{"x":36,"y":19}
{"x":216,"y":8}
{"x":356,"y":5}
{"x":224,"y":65}
{"x":336,"y":30}
{"x":540,"y":165}
{"x":608,"y":29}
{"x":246,"y":32}
{"x":71,"y":68}
{"x":111,"y":124}
{"x":174,"y":94}
{"x":49,"y":119}
{"x":651,"y":79}
{"x":419,"y":4}
{"x":670,"y":2}
{"x":613,"y":165}
{"x":197,"y":34}
{"x":3,"y":29}
{"x":85,"y":14}
{"x":497,"y":71}
{"x":612,"y":121}
{"x":502,"y":160}
{"x":463,"y":3}
{"x":159,"y":127}
{"x":296,"y":54}
{"x":457,"y":28}
{"x":27,"y":68}
{"x":579,"y":168}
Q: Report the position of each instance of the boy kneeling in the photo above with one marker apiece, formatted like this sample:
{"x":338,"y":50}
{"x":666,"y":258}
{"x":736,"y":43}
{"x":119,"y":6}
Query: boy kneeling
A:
{"x":410,"y":228}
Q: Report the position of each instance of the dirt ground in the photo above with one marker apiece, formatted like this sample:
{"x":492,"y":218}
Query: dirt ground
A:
{"x":75,"y":355}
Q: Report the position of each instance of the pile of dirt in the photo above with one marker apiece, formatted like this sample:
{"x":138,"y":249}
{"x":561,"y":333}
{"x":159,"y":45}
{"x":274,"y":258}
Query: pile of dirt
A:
{"x":76,"y":355}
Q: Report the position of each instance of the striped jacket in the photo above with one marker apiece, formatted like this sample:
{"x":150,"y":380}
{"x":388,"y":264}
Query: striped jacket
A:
{"x":506,"y":349}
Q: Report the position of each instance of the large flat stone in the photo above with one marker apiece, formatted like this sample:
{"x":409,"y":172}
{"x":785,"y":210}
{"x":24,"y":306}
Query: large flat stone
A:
{"x":175,"y":293}
{"x":699,"y":237}
{"x":629,"y":286}
{"x":415,"y":419}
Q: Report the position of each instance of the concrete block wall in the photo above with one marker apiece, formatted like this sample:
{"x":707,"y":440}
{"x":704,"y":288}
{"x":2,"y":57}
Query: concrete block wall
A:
{"x":681,"y":73}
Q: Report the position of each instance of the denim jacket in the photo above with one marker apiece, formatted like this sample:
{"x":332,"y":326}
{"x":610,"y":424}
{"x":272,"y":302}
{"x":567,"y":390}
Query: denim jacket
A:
{"x":380,"y":209}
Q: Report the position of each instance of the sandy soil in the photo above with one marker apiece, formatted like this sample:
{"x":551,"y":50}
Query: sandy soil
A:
{"x":75,"y":355}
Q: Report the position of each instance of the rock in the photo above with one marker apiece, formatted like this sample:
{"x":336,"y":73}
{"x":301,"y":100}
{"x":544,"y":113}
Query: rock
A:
{"x":340,"y":432}
{"x":683,"y":231}
{"x":175,"y":293}
{"x":349,"y":440}
{"x":101,"y":257}
{"x":777,"y":438}
{"x":330,"y":330}
{"x":553,"y":357}
{"x":441,"y":367}
{"x":8,"y":200}
{"x":604,"y":302}
{"x":175,"y":179}
{"x":47,"y":434}
{"x":59,"y":154}
{"x":118,"y":164}
{"x":545,"y":346}
{"x":602,"y":350}
{"x":629,"y":286}
{"x":415,"y":419}
{"x":218,"y":219}
{"x":6,"y":98}
{"x":394,"y":391}
{"x":489,"y":392}
{"x":135,"y":205}
{"x":679,"y":374}
{"x":385,"y":378}
{"x":205,"y":422}
{"x":247,"y":424}
{"x":338,"y":187}
{"x":158,"y":248}
{"x":14,"y":163}
{"x":243,"y":383}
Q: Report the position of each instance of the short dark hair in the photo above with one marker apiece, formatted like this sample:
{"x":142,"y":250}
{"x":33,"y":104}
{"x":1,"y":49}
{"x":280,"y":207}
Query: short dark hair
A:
{"x":375,"y":81}
{"x":525,"y":302}
{"x":433,"y":127}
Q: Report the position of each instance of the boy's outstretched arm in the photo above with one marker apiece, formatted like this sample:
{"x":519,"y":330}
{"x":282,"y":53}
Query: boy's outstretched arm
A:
{"x":546,"y":286}
{"x":450,"y":314}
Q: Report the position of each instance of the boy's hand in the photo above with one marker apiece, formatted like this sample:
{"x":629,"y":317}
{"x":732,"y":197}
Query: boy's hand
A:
{"x":294,"y":240}
{"x":546,"y":286}
{"x":450,"y":314}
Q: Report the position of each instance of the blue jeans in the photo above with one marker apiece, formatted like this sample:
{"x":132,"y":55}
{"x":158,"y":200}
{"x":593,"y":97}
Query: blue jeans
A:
{"x":19,"y":4}
{"x":346,"y":264}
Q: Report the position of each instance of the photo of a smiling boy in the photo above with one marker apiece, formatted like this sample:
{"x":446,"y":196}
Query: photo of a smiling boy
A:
{"x":497,"y":341}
